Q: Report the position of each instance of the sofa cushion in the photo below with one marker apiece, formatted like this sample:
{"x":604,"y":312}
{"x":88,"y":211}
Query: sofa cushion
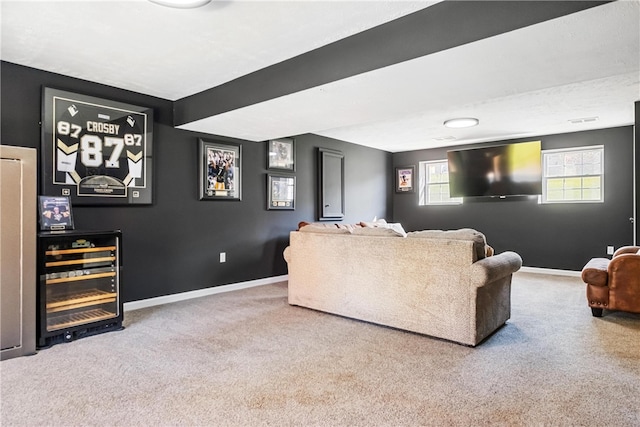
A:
{"x":349,"y":227}
{"x":327,"y":225}
{"x":395,"y":231}
{"x":595,"y":272}
{"x":313,"y":228}
{"x":317,"y":224}
{"x":480,"y":243}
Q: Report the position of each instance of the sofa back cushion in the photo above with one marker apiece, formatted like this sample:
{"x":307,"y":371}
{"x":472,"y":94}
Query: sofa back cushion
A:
{"x":395,"y":231}
{"x":324,"y":229}
{"x":479,"y":241}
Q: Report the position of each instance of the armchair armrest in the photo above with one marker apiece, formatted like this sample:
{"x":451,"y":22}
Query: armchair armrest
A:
{"x":626,"y":250}
{"x":595,"y":272}
{"x":495,"y":267}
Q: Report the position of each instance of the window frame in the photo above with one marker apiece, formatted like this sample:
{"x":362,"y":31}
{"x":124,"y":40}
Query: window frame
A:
{"x":543,"y":197}
{"x":423,"y":180}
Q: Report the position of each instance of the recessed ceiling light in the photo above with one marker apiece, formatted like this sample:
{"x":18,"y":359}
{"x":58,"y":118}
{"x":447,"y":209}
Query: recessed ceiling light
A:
{"x":463,"y":122}
{"x":181,"y":4}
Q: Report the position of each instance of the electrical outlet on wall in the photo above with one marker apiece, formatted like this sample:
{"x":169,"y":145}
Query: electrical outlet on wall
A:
{"x":610,"y":250}
{"x":223,"y":257}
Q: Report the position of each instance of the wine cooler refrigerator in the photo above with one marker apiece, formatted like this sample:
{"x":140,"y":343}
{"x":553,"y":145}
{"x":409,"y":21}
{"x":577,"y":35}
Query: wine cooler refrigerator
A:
{"x":79,"y":285}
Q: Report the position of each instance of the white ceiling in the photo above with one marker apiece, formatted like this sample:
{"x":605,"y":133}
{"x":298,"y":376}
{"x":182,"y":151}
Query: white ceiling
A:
{"x":528,"y":82}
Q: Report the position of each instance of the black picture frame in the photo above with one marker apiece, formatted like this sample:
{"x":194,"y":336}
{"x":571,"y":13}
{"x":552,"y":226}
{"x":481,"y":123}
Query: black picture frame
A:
{"x":220,"y":167}
{"x":281,"y":192}
{"x":281,"y":154}
{"x":405,"y":179}
{"x":96,"y":151}
{"x":55,"y":213}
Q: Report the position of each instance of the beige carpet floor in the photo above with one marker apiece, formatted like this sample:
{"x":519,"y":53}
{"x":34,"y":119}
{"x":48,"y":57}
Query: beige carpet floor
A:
{"x":247,"y":358}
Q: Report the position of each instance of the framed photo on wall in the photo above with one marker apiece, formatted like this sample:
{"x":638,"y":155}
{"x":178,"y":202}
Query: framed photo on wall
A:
{"x":281,"y":191}
{"x":96,"y":151}
{"x":405,"y":179}
{"x":220,"y":167}
{"x":281,"y":154}
{"x":55,"y":213}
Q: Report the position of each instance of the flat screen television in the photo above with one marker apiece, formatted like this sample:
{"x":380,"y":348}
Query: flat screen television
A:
{"x":502,"y":170}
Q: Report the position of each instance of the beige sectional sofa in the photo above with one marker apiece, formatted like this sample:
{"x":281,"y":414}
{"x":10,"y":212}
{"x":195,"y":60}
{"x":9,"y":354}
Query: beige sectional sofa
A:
{"x":438,"y":283}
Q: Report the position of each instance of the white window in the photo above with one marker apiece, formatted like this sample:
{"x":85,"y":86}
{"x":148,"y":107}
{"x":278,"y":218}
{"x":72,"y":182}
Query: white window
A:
{"x":434,"y":184}
{"x":573,"y":175}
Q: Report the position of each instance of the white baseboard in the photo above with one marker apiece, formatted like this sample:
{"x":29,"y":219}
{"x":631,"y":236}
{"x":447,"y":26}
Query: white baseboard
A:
{"x":553,"y":271}
{"x":150,"y":302}
{"x":167,"y":299}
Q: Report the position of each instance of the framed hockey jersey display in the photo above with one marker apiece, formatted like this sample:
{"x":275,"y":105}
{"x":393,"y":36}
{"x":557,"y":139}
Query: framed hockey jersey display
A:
{"x":96,"y":151}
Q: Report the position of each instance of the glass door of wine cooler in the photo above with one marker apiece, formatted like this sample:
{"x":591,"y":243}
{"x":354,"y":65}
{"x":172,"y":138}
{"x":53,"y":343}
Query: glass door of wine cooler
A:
{"x":80,"y":285}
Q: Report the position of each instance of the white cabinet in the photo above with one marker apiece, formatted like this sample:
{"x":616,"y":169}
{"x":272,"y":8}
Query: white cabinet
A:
{"x":18,"y":194}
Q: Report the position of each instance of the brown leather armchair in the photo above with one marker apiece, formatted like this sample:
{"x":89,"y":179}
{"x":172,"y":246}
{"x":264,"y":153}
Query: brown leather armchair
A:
{"x":614,"y":284}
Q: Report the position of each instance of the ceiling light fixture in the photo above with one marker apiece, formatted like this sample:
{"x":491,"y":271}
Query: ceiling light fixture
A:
{"x":444,"y":138}
{"x":463,"y":122}
{"x":181,"y":4}
{"x":584,"y":120}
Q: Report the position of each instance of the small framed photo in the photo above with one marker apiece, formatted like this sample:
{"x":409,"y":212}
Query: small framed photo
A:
{"x":55,"y":213}
{"x":281,"y":191}
{"x":281,"y":154}
{"x":220,"y":170}
{"x":405,"y":179}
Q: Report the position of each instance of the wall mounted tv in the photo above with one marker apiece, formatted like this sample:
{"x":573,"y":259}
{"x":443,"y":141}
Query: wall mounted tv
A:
{"x":495,"y":171}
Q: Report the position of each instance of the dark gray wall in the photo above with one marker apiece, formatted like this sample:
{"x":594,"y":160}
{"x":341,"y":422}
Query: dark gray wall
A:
{"x":558,"y":236}
{"x":173,"y":245}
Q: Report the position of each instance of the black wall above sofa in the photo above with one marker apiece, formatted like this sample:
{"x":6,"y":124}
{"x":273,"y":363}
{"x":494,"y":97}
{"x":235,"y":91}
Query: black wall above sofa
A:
{"x":556,"y":236}
{"x":173,"y":245}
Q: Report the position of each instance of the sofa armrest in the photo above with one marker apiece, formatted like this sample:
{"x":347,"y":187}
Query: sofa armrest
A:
{"x":496,"y":267}
{"x":287,"y":254}
{"x":595,"y":272}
